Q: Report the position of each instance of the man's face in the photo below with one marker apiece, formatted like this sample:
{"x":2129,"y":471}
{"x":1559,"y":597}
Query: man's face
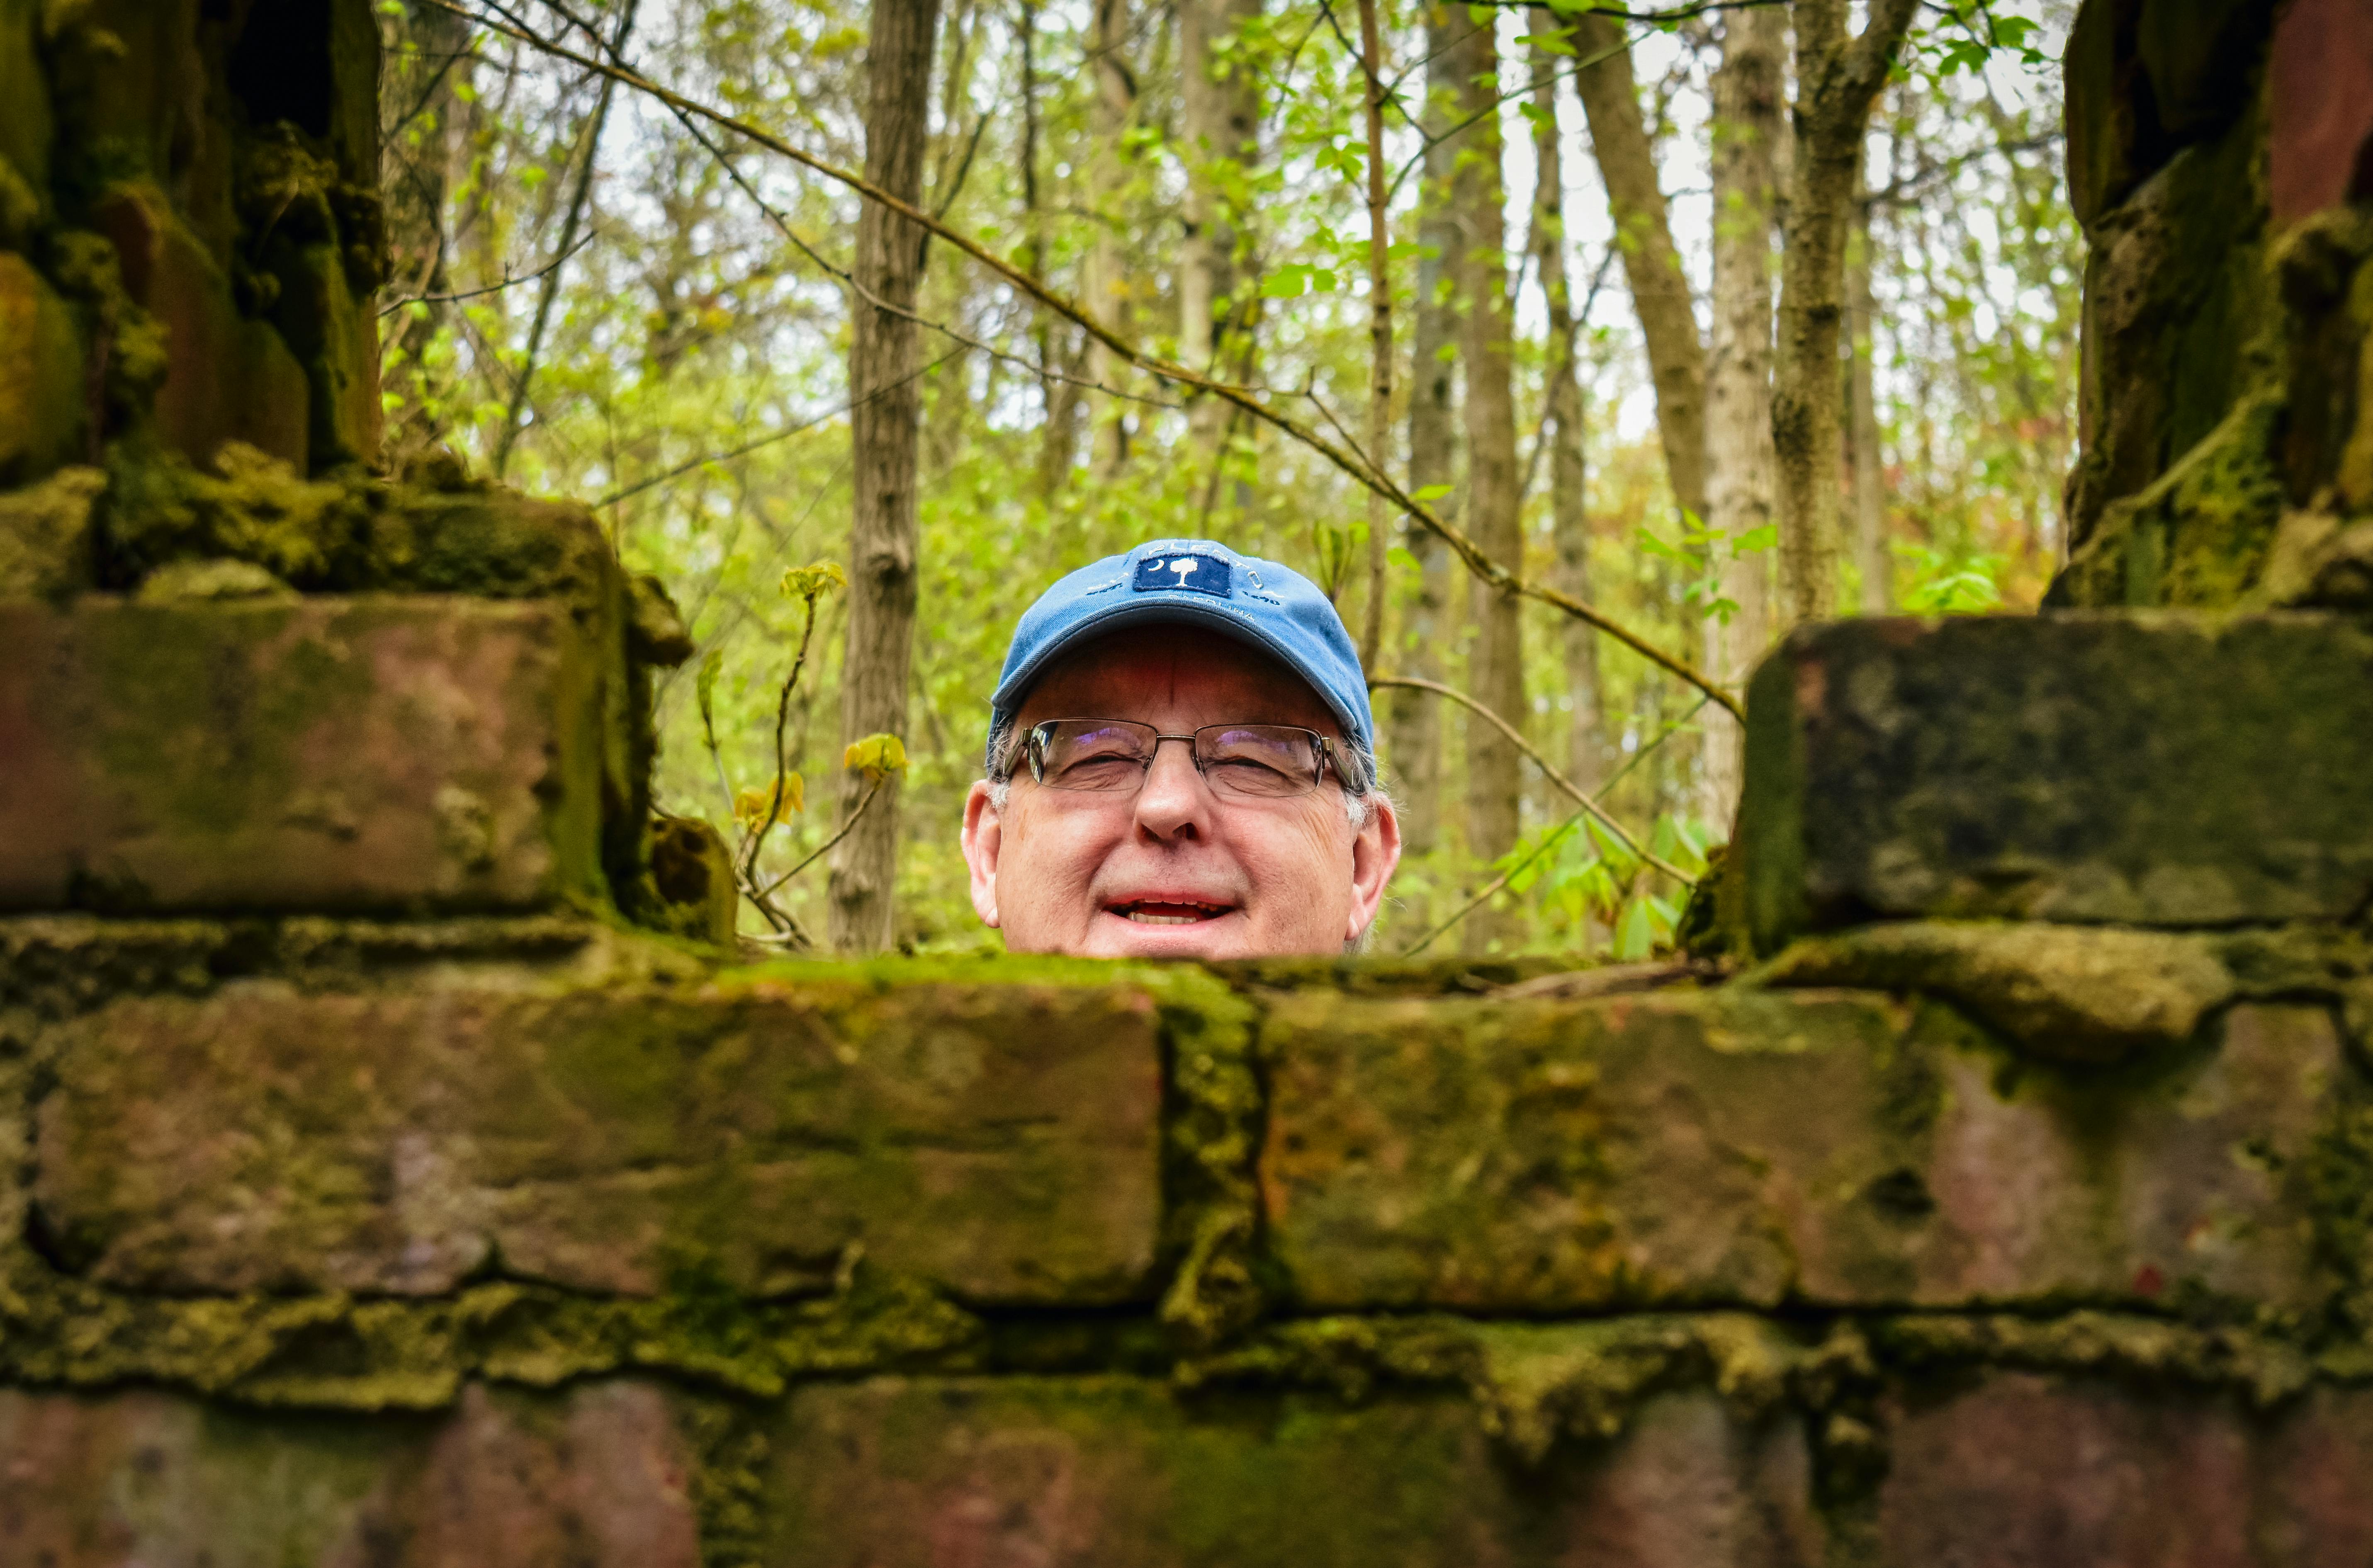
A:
{"x":1173,"y":870}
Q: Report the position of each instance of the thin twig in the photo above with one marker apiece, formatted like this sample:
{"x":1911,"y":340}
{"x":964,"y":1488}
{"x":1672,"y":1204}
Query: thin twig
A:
{"x":1550,"y":772}
{"x":768,"y":440}
{"x":782,"y":718}
{"x":827,"y":844}
{"x":1551,"y":841}
{"x":1483,"y":566}
{"x":508,"y":281}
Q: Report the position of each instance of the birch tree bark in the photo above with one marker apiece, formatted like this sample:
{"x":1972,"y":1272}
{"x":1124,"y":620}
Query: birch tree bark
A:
{"x":1562,"y":423}
{"x":1748,"y":94}
{"x":882,"y":427}
{"x":1413,"y":745}
{"x":1496,"y":673}
{"x":1652,"y":265}
{"x":1837,"y":80}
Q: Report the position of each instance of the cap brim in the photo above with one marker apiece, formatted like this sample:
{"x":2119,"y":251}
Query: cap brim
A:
{"x":1188,"y":608}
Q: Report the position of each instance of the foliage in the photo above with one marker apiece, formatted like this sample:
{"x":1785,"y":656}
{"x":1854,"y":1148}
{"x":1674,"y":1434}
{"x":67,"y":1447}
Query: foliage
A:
{"x":692,"y":382}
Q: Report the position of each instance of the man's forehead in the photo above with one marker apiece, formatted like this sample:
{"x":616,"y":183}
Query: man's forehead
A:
{"x":1182,"y":665}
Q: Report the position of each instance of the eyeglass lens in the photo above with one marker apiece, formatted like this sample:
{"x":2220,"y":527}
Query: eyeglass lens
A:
{"x":1257,"y":760}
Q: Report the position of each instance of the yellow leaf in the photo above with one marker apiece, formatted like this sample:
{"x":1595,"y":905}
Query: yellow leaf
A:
{"x":750,"y":807}
{"x":876,"y":757}
{"x":814,"y":581}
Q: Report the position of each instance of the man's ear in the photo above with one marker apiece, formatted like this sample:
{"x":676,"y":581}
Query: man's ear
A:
{"x":1375,"y":850}
{"x":984,"y":841}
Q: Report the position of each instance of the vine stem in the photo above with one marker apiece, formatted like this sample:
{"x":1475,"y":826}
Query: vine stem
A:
{"x":1568,"y":785}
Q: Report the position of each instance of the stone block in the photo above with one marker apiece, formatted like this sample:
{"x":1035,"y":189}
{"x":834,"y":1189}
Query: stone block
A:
{"x":42,"y":390}
{"x":2140,"y":768}
{"x":228,"y":379}
{"x":26,"y":126}
{"x":2319,"y":106}
{"x":1123,"y":1473}
{"x":2024,"y":1468}
{"x":330,"y":755}
{"x":597,"y":1478}
{"x":1001,"y":1142}
{"x":330,"y":329}
{"x":1741,"y":1148}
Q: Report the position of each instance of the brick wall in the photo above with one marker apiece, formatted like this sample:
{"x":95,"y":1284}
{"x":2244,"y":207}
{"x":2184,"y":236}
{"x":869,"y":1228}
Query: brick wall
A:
{"x":381,"y":1184}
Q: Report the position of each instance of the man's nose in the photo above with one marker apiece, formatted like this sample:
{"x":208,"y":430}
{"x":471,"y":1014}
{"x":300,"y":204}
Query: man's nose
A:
{"x":1174,"y":802}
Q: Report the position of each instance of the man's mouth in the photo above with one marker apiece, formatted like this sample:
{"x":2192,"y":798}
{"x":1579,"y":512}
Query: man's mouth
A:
{"x":1169,"y":911}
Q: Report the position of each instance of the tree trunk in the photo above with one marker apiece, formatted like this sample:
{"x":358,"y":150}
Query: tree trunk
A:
{"x":1106,"y":281}
{"x":1414,"y":719}
{"x":1380,"y":324}
{"x":1496,"y":673}
{"x":1219,"y":118}
{"x":1838,"y":79}
{"x":1561,"y":418}
{"x":882,"y":543}
{"x":1870,"y":556}
{"x":1660,"y":290}
{"x":1747,"y":100}
{"x":423,"y":89}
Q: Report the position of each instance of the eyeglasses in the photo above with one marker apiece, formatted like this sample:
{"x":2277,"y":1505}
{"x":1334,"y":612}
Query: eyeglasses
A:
{"x":1257,"y":761}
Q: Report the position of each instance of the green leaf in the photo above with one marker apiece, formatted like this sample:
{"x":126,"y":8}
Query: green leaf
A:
{"x":1635,"y":935}
{"x":814,"y":580}
{"x":1431,"y":492}
{"x":1755,"y":540}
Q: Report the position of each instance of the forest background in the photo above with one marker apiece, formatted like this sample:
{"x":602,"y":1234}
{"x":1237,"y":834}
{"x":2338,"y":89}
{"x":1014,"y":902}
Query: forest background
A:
{"x":1614,"y":246}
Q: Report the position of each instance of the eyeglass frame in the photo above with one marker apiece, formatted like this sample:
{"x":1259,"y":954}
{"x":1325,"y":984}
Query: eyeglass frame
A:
{"x":1326,"y":748}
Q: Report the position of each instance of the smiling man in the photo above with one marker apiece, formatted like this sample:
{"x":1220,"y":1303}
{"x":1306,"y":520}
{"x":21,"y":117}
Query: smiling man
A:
{"x":1181,"y":764}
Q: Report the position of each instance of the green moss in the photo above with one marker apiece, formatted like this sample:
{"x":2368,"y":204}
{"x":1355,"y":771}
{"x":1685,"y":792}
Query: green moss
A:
{"x":731,"y":1449}
{"x":2148,"y":1352}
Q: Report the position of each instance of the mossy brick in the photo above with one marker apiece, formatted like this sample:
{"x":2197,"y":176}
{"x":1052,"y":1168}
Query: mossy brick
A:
{"x":47,"y":538}
{"x":2017,"y":1469}
{"x":330,"y":329}
{"x":1737,"y":1148}
{"x":227,"y":378}
{"x":1125,"y":1473}
{"x":26,"y":127}
{"x":597,"y":1476}
{"x":2319,"y":106}
{"x":1000,"y":1141}
{"x":329,"y":754}
{"x":2154,"y":768}
{"x":43,"y":394}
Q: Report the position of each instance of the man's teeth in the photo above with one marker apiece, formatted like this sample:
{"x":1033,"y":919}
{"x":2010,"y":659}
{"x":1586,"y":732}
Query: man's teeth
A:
{"x":1161,"y":913}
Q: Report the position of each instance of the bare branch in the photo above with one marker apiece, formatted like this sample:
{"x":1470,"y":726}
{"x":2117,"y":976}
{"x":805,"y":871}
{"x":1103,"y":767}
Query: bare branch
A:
{"x":1558,"y":779}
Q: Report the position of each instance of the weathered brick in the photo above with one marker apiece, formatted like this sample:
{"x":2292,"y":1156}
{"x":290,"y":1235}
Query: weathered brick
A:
{"x":2024,"y":1468}
{"x":597,"y":1478}
{"x":228,"y":379}
{"x":1000,"y":1141}
{"x":1737,"y":1147}
{"x":1122,"y":1473}
{"x":2145,"y":768}
{"x":42,"y":394}
{"x":368,"y":754}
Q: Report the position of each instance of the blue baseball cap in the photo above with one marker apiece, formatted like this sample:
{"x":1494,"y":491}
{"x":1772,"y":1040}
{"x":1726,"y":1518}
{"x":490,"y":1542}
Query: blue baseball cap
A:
{"x":1199,"y":583}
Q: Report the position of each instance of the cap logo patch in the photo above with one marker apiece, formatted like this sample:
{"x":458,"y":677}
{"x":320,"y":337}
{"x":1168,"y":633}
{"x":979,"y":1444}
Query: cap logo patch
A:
{"x":1202,"y":574}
